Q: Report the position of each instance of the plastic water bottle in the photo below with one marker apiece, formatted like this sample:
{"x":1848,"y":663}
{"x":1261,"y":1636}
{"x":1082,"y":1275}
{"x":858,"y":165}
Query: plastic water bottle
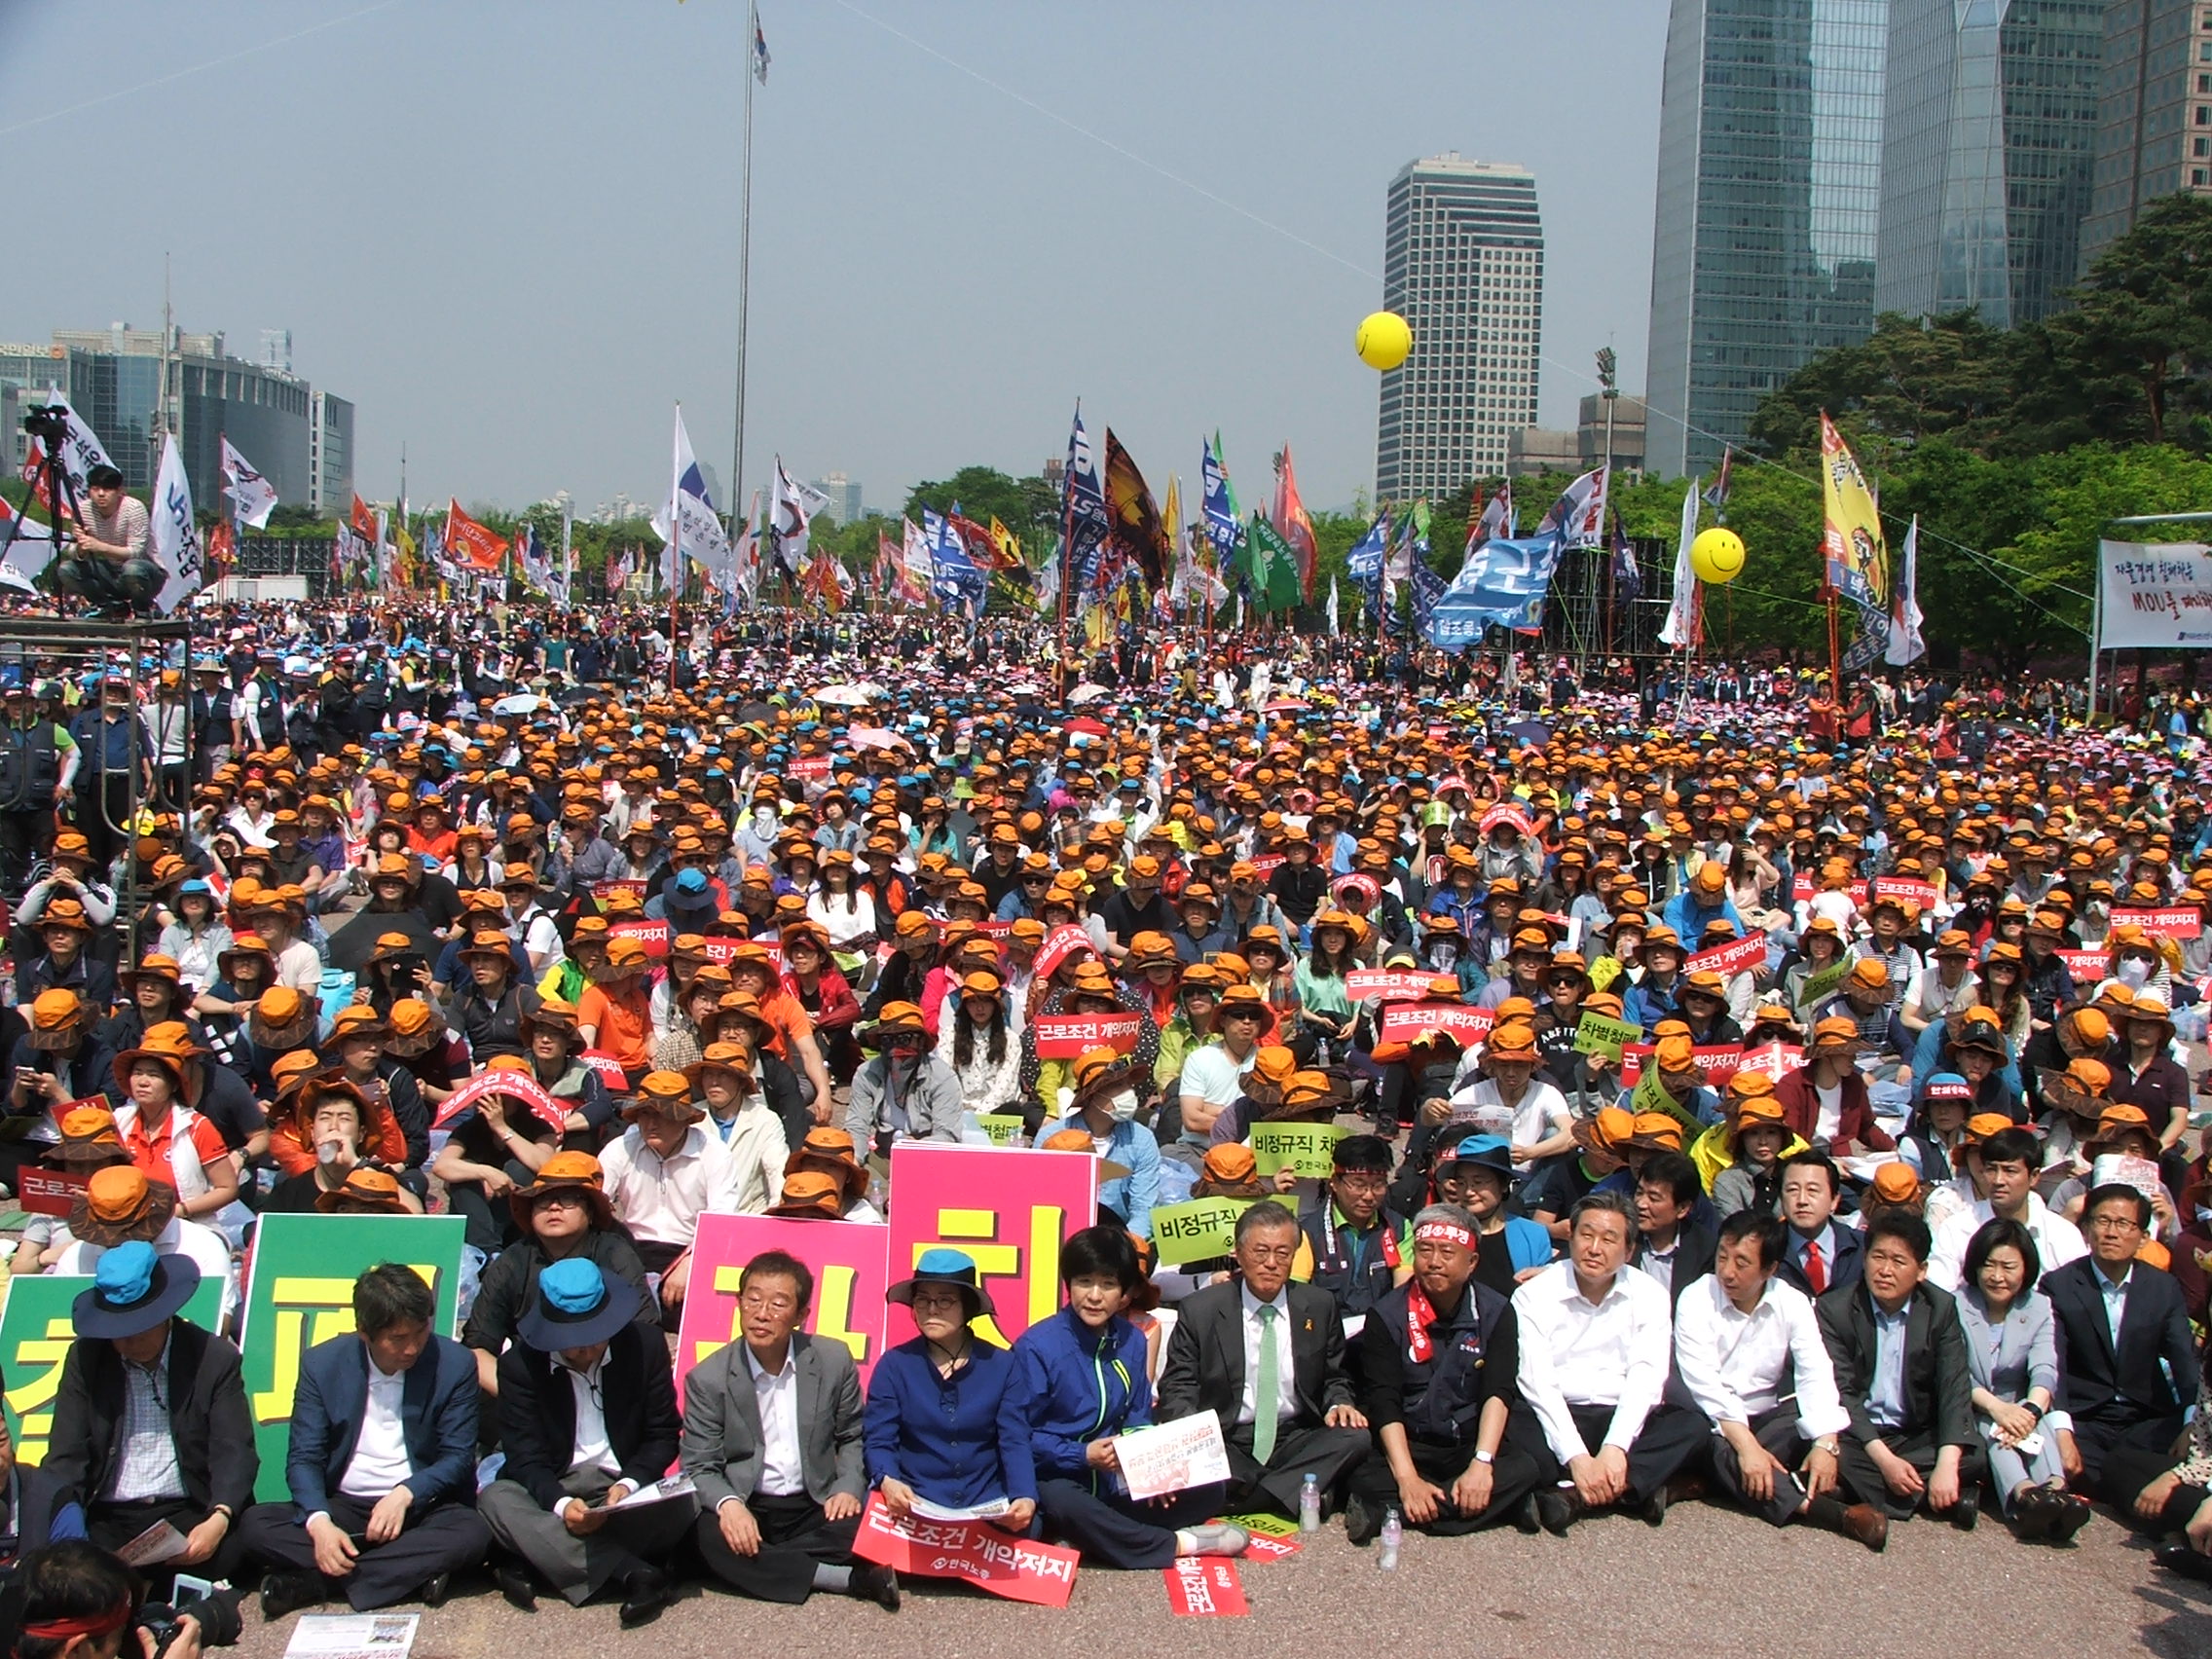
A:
{"x":1309,"y":1505}
{"x":1386,"y":1550}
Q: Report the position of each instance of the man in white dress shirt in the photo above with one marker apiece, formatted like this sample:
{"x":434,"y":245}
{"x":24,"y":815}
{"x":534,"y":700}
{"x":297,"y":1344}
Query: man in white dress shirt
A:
{"x":1597,"y":1337}
{"x":2009,"y":1161}
{"x":663,"y":1172}
{"x":1749,"y":1351}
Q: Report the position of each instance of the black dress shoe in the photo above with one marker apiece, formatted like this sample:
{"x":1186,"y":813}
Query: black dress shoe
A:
{"x":875,"y":1582}
{"x":1557,"y":1511}
{"x":2184,"y":1563}
{"x":644,"y":1593}
{"x":515,"y":1584}
{"x":1525,"y":1517}
{"x":283,"y":1593}
{"x":1361,"y":1524}
{"x":436,"y":1587}
{"x":1968,"y":1510}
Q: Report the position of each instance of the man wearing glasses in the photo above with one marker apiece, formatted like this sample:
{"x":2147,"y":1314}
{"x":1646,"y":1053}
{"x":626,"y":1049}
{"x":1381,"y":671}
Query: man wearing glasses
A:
{"x":772,"y":1437}
{"x":2126,"y":1359}
{"x":1269,"y":1356}
{"x":1351,"y":1246}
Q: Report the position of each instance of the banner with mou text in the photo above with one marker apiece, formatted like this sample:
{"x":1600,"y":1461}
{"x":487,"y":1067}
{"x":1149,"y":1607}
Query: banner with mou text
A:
{"x":2153,"y":593}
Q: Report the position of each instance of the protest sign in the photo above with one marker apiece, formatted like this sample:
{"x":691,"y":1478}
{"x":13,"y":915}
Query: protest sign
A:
{"x":1720,"y":1062}
{"x":1403,"y":1022}
{"x":1059,"y":944}
{"x":1010,"y":1210}
{"x":2087,"y":967}
{"x":35,"y":1334}
{"x":1921,"y":895}
{"x":1728,"y":960}
{"x":1602,"y":1034}
{"x":1650,"y":1095}
{"x":608,"y":887}
{"x":1775,"y":1061}
{"x":1173,"y":1456}
{"x":1302,"y":1149}
{"x":300,"y":1293}
{"x":1804,"y":888}
{"x":2156,"y":594}
{"x":1001,"y":1127}
{"x":1365,"y":984}
{"x":520,"y":1087}
{"x":2175,"y":921}
{"x":1064,"y":1036}
{"x":1819,"y":987}
{"x":1204,"y":1587}
{"x":1195,"y":1231}
{"x":813,"y":766}
{"x":1267,"y":864}
{"x":850,"y":1261}
{"x":609,"y":1070}
{"x":654,"y":936}
{"x":49,"y":1192}
{"x":1018,"y":1568}
{"x":724,"y":950}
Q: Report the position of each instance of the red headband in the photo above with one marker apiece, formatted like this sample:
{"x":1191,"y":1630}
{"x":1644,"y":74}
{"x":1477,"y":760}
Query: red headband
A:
{"x":1449,"y":1232}
{"x":89,"y":1624}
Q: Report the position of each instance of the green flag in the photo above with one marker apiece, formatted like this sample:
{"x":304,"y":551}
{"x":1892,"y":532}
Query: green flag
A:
{"x":1274,"y":568}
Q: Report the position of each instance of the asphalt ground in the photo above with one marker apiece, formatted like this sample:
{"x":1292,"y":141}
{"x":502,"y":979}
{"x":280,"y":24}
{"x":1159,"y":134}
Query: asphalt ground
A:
{"x":1712,"y":1584}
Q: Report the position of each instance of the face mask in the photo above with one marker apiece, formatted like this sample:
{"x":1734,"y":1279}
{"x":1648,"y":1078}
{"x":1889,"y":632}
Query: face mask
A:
{"x":1124,"y":1105}
{"x":763,"y":817}
{"x":2134,"y":973}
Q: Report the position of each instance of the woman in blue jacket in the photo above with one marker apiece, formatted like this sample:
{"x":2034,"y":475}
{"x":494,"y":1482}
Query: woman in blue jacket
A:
{"x":941,"y":1427}
{"x":1081,"y":1378}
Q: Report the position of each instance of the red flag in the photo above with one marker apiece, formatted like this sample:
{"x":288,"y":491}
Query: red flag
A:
{"x":222,"y":550}
{"x":467,"y":544}
{"x":1292,"y":523}
{"x":821,"y":581}
{"x":364,"y":521}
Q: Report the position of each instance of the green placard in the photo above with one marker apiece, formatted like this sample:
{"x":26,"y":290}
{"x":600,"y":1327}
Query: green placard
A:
{"x":1652,"y":1095}
{"x":1197,"y":1232}
{"x":1602,"y":1034}
{"x":1302,"y":1149}
{"x":35,"y":1334}
{"x":300,"y":1293}
{"x":1820,"y":984}
{"x":1001,"y":1127}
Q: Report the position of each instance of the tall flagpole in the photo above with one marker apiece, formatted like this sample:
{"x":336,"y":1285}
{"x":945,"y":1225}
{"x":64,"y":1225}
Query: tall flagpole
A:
{"x":745,"y":253}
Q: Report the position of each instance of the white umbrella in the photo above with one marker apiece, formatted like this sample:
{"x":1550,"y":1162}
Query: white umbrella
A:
{"x":519,"y":703}
{"x":1087,"y":693}
{"x":851,"y":695}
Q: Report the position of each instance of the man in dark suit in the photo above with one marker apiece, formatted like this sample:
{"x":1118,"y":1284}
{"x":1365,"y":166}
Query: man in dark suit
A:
{"x":587,"y":1415}
{"x":1819,"y":1254}
{"x":150,"y":1421}
{"x":1670,"y":1246}
{"x":772,"y":1438}
{"x":2117,"y":1320}
{"x":1901,"y":1370}
{"x":382,"y":1465}
{"x":1269,"y":1356}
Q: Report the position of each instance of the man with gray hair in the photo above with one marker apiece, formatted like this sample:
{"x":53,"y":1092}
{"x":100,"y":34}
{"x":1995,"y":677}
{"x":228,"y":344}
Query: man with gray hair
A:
{"x":1440,"y":1356}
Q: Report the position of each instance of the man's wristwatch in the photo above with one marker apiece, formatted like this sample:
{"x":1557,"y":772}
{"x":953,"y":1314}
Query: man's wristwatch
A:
{"x":1827,"y":1442}
{"x":1485,"y":1457}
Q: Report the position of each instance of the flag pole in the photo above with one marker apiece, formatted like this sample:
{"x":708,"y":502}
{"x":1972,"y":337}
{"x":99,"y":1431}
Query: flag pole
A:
{"x":676,"y":522}
{"x":744,"y":254}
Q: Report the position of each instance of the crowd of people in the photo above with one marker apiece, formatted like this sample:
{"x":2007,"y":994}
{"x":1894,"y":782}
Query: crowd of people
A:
{"x":1741,"y":1099}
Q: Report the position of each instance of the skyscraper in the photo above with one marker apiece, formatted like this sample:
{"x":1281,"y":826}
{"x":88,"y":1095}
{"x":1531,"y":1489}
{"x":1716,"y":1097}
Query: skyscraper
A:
{"x":2153,"y":114}
{"x":1986,"y":141}
{"x":1770,"y":162}
{"x":1463,"y":263}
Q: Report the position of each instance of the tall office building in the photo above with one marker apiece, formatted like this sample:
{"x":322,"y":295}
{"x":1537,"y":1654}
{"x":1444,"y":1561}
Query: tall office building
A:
{"x":2153,"y":114}
{"x":1770,"y":163}
{"x":1986,"y":142}
{"x":1463,"y":263}
{"x":330,"y":455}
{"x":844,"y":497}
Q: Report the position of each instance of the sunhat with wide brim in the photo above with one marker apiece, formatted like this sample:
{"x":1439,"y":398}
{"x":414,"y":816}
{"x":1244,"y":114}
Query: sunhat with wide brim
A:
{"x":940,"y":1265}
{"x":134,"y":1288}
{"x":577,"y":1305}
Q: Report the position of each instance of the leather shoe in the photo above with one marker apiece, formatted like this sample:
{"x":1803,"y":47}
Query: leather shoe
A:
{"x":1361,"y":1524}
{"x":2184,"y":1561}
{"x":514,"y":1582}
{"x":1557,"y":1511}
{"x":1968,"y":1510}
{"x":1525,"y":1517}
{"x":875,"y":1582}
{"x":283,"y":1593}
{"x":644,"y":1593}
{"x":436,"y":1587}
{"x":2074,"y":1514}
{"x":1869,"y":1525}
{"x":1670,"y":1492}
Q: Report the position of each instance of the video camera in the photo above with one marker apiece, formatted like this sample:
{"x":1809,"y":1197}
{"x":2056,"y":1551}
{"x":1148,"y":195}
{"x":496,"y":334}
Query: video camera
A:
{"x":49,"y":426}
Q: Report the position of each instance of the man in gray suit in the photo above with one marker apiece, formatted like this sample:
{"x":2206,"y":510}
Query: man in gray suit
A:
{"x":772,"y":1441}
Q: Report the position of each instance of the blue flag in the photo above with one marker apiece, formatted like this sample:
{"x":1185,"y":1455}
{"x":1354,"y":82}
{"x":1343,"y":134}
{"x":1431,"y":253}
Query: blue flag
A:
{"x":1219,"y":503}
{"x":1084,"y":512}
{"x":1504,"y":583}
{"x":953,"y":576}
{"x":1364,"y":562}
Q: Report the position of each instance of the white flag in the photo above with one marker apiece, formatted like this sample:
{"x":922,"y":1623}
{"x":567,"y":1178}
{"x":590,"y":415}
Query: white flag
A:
{"x":251,"y":495}
{"x":792,"y":507}
{"x":1681,"y":610}
{"x":1905,"y":643}
{"x":914,"y":551}
{"x":1332,"y":606}
{"x":175,"y":538}
{"x":1580,"y":513}
{"x":686,"y":522}
{"x":81,"y":451}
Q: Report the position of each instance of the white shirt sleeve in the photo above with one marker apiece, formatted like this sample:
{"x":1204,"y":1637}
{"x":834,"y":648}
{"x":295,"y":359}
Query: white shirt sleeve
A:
{"x":1539,"y":1380}
{"x":1650,"y":1351}
{"x":1697,"y":1354}
{"x":1820,"y":1404}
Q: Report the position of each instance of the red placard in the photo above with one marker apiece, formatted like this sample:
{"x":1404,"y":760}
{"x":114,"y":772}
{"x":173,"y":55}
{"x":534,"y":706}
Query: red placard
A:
{"x":850,"y":1261}
{"x":1804,"y":887}
{"x":993,"y":929}
{"x":1267,"y":863}
{"x":49,"y":1192}
{"x":609,"y":1069}
{"x":607,"y":888}
{"x":515,"y":1085}
{"x":1776,"y":1061}
{"x":2086,"y":966}
{"x":1730,"y":959}
{"x":1721,"y":1061}
{"x":654,"y":936}
{"x":724,"y":950}
{"x":2175,"y":921}
{"x":1905,"y":887}
{"x":1402,"y":1023}
{"x":1059,"y":944}
{"x":1263,"y":1548}
{"x":1064,"y":1036}
{"x":813,"y":766}
{"x":1364,"y":984}
{"x":1204,"y":1587}
{"x":1021,"y":1569}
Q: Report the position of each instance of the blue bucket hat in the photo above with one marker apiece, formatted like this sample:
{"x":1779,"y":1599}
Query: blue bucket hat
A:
{"x":134,"y":1288}
{"x":576,"y":1305}
{"x":940,"y":1265}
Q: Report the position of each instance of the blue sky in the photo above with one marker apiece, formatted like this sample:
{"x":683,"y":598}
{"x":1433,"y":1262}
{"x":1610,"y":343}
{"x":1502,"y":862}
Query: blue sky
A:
{"x":508,"y":229}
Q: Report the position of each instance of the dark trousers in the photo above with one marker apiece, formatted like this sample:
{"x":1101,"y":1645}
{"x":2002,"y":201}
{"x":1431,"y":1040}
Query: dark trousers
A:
{"x":1113,"y":1529}
{"x":578,"y":1569}
{"x":1513,"y":1477}
{"x":103,"y":810}
{"x":1777,"y":1431}
{"x":111,"y":1525}
{"x":2099,"y":1439}
{"x":1672,"y":1438}
{"x":794,"y":1539}
{"x":1329,"y":1455}
{"x":25,"y":833}
{"x":1863,"y":1482}
{"x":443,"y":1539}
{"x":2128,"y":1470}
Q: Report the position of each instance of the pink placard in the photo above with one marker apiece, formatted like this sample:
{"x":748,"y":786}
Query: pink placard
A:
{"x":1362,"y":984}
{"x":850,"y":1261}
{"x":2175,"y":921}
{"x":1064,"y":1036}
{"x":1010,"y":1210}
{"x":1021,"y":1570}
{"x":1402,"y":1023}
{"x":1730,"y":959}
